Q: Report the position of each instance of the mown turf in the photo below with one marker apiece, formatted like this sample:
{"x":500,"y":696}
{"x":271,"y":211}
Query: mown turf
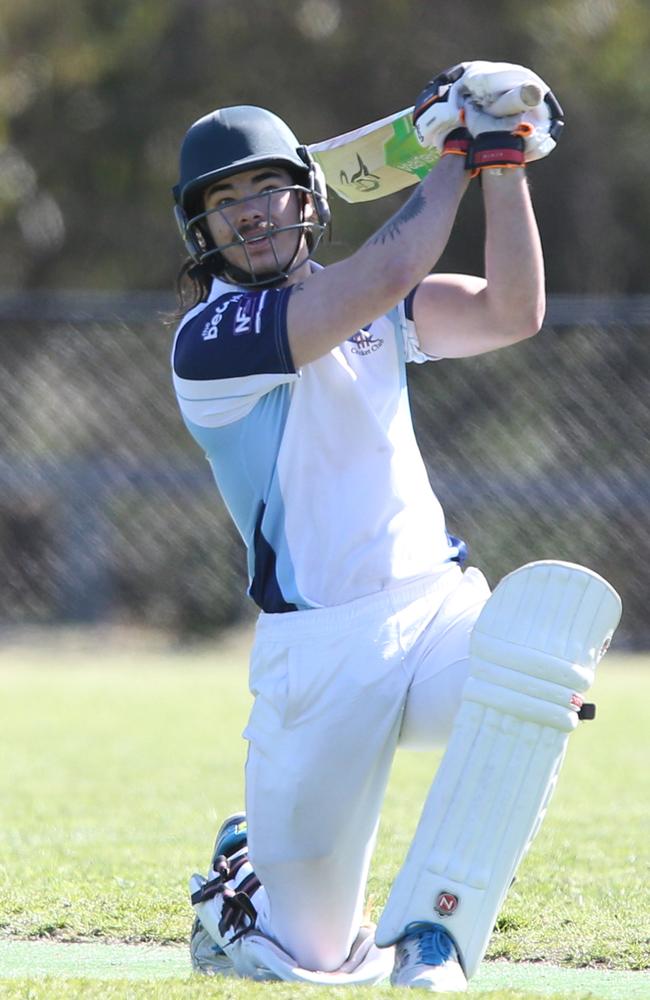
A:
{"x":74,"y":966}
{"x":176,"y":990}
{"x":118,"y":765}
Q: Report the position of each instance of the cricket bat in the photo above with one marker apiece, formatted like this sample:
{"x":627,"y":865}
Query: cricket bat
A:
{"x":375,"y":160}
{"x":386,"y":156}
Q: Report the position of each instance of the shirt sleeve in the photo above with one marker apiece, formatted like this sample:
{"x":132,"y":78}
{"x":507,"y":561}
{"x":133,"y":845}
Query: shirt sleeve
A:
{"x":412,"y":350}
{"x":229,"y":353}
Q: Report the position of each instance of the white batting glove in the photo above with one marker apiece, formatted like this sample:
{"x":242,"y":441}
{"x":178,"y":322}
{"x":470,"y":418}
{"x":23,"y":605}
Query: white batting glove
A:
{"x":484,"y":82}
{"x":437,"y":110}
{"x":504,"y":97}
{"x":511,"y":114}
{"x":538,"y":127}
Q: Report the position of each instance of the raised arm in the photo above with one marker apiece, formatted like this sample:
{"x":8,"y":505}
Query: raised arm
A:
{"x":458,"y":315}
{"x":455,"y":315}
{"x":334,"y":303}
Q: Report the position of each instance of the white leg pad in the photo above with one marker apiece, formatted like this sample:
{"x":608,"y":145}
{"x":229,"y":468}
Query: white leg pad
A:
{"x":534,"y":650}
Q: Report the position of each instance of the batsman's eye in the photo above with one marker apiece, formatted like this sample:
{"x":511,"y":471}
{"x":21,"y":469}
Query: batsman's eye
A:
{"x":217,"y":199}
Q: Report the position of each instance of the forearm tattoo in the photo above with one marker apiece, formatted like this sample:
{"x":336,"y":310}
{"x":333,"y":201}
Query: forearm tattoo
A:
{"x":392,"y":229}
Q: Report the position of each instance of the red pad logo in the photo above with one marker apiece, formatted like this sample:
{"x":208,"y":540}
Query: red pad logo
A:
{"x":446,"y":903}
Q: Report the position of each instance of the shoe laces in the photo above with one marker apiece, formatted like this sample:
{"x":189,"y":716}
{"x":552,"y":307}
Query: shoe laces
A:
{"x":238,"y":913}
{"x":434,"y":946}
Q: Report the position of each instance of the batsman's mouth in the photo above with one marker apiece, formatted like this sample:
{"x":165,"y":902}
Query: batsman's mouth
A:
{"x":260,"y":241}
{"x":258,"y":235}
{"x":257,"y":244}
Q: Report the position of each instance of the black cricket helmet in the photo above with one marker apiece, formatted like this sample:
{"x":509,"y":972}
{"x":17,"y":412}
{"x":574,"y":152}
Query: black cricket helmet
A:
{"x":229,"y":141}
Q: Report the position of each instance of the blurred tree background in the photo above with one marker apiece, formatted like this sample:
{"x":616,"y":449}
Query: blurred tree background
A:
{"x":108,"y":512}
{"x":95,"y":97}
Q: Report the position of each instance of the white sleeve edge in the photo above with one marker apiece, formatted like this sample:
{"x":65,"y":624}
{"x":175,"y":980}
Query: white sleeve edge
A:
{"x":412,"y":350}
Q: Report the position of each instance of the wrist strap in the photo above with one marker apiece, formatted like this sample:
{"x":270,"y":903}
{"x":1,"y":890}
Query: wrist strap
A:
{"x":457,"y":143}
{"x":495,"y":149}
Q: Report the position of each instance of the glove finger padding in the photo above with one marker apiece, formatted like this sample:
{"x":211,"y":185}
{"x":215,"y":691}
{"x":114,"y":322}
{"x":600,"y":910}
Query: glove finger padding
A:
{"x":478,"y":121}
{"x":540,"y":126}
{"x":437,"y":110}
{"x":485,"y":81}
{"x":454,"y":107}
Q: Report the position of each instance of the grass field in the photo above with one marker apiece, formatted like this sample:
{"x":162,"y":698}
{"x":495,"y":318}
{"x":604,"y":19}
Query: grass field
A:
{"x":119,"y":761}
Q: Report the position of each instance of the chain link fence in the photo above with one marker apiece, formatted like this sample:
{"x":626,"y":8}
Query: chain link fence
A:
{"x":108,"y":512}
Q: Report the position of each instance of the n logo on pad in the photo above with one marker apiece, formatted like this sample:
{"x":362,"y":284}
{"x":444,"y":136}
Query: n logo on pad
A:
{"x":446,"y":903}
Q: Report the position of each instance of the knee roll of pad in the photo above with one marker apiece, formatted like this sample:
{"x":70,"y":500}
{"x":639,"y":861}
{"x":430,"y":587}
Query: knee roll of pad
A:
{"x":534,"y":651}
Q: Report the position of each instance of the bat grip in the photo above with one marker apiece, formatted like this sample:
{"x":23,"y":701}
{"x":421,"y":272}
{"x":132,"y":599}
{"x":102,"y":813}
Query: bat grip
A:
{"x":515,"y":101}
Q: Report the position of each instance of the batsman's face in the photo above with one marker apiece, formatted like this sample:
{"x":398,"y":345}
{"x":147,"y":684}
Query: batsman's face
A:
{"x":251,"y":209}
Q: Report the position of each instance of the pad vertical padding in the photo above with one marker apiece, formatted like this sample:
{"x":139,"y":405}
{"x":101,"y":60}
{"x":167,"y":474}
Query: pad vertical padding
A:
{"x":534,"y":649}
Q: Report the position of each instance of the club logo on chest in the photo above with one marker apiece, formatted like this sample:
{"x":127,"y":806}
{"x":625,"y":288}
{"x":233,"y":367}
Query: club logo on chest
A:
{"x":364,"y":343}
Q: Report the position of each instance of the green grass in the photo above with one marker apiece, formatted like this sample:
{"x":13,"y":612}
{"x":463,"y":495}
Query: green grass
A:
{"x":202,"y":990}
{"x":118,"y":764}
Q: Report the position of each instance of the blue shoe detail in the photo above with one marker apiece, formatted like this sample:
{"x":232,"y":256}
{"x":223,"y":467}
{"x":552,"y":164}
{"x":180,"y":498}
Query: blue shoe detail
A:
{"x":435,"y":946}
{"x":232,"y":836}
{"x":426,"y":958}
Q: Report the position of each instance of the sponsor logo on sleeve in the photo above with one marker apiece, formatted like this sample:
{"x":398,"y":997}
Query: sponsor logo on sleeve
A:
{"x":244,"y":317}
{"x":211,"y":329}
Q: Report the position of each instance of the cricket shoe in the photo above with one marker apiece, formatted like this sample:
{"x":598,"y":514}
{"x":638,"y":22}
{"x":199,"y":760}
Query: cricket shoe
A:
{"x":426,"y":959}
{"x":229,"y":870}
{"x":207,"y":956}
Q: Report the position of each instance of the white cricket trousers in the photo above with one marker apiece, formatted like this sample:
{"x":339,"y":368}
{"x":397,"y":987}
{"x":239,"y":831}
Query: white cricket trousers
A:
{"x":336,"y":691}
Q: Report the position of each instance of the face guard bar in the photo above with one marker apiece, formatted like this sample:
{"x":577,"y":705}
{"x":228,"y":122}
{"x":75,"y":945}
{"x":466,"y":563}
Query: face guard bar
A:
{"x":199,"y":242}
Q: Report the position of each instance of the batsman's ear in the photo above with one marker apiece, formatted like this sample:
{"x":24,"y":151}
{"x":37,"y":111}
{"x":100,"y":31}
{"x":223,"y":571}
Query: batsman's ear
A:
{"x":317,"y":185}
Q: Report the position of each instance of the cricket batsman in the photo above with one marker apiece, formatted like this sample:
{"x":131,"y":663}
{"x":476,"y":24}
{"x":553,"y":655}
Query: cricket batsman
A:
{"x":371,"y":635}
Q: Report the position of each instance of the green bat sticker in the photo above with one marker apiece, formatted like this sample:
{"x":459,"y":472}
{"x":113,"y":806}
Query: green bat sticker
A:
{"x":404,"y":152}
{"x":375,"y":160}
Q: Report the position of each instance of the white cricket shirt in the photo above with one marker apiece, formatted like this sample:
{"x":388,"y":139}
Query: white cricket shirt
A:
{"x":319,"y":468}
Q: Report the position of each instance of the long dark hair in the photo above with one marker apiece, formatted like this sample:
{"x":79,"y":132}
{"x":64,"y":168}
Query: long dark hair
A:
{"x":193,"y":284}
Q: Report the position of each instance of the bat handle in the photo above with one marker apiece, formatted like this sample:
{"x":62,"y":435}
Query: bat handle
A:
{"x":515,"y":101}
